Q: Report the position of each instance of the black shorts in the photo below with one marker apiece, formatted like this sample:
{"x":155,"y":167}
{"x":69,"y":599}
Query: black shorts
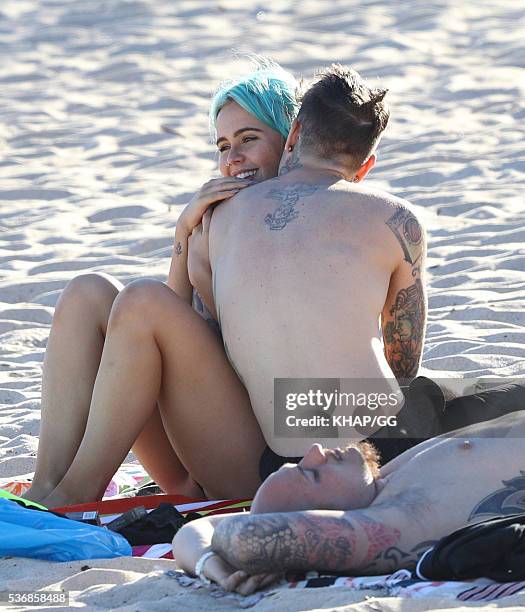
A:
{"x":270,"y":462}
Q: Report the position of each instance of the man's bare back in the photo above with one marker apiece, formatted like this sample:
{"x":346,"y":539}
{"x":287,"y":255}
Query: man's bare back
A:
{"x":303,"y":267}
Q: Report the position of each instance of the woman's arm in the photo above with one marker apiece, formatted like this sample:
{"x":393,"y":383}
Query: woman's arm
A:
{"x":212,"y":192}
{"x":178,"y":279}
{"x":199,"y":268}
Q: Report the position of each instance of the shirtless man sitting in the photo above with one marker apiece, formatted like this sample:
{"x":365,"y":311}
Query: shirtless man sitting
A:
{"x":336,"y":512}
{"x":304,"y":265}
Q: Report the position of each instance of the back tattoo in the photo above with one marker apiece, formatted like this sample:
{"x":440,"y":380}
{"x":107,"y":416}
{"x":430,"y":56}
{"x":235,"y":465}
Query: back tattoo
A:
{"x":287,"y":197}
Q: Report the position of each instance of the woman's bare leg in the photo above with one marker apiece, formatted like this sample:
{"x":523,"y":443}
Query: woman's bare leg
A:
{"x":70,"y":367}
{"x":155,"y":453}
{"x":71,"y":363}
{"x":204,"y":406}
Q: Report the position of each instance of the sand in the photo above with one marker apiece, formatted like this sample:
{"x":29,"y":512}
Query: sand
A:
{"x":104,"y":138}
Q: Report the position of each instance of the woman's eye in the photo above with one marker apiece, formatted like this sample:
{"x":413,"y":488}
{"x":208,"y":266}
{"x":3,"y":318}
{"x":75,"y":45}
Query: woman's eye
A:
{"x":249,"y":138}
{"x":223,"y":148}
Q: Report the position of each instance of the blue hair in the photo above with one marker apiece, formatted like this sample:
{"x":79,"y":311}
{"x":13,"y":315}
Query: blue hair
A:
{"x":268,"y":93}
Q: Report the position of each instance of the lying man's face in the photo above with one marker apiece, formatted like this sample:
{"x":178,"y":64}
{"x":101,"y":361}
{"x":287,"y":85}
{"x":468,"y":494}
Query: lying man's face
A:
{"x":324,"y":479}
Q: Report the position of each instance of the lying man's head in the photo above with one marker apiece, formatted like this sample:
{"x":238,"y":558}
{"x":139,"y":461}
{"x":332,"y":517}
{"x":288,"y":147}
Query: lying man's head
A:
{"x":340,"y":119}
{"x":325,"y":479}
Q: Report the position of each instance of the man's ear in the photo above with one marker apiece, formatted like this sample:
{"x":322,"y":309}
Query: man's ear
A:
{"x":293,"y":135}
{"x":365,"y":169}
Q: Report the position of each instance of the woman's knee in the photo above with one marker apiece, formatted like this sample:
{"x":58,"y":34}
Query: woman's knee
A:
{"x":143,"y":300}
{"x":89,"y":293}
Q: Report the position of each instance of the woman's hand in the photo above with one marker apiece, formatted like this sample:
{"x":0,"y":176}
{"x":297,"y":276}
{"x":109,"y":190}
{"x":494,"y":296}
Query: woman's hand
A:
{"x":215,"y":190}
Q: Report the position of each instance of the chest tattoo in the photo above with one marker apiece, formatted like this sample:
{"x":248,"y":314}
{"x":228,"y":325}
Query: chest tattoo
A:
{"x":510,"y":499}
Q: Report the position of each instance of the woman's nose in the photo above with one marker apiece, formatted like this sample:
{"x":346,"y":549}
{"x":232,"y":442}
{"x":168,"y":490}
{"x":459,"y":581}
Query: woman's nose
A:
{"x":315,"y":456}
{"x":234,"y":156}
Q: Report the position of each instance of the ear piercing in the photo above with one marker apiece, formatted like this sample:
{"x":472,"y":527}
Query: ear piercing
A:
{"x":290,"y":148}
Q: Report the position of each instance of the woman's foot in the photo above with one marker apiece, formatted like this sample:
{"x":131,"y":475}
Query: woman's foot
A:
{"x":60,"y":496}
{"x":38,"y":491}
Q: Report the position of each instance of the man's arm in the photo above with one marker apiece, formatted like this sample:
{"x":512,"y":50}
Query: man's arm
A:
{"x":332,"y":541}
{"x":403,"y":318}
{"x":194,"y":540}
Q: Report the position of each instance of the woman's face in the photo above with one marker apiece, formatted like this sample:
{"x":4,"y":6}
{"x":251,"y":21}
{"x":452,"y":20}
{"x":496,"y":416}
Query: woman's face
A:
{"x":247,"y":147}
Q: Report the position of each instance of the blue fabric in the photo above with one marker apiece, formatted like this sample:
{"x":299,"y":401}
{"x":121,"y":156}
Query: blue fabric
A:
{"x":42,"y":535}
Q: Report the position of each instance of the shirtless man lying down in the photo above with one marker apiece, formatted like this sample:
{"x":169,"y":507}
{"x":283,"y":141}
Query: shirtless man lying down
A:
{"x":335,"y":511}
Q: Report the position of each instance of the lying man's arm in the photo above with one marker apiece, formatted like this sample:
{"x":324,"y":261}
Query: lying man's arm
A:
{"x":333,"y":541}
{"x":403,"y":318}
{"x":194,"y":540}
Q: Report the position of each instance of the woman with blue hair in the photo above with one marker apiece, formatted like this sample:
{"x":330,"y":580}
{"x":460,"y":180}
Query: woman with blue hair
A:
{"x":167,"y":390}
{"x":250,"y":118}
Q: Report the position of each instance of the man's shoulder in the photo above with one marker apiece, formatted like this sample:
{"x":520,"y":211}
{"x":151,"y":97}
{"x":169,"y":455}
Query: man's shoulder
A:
{"x":380,"y":211}
{"x":378,"y":201}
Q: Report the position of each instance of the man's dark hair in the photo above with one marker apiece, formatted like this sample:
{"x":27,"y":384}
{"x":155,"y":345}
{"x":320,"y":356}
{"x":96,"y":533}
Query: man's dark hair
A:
{"x":342,"y":117}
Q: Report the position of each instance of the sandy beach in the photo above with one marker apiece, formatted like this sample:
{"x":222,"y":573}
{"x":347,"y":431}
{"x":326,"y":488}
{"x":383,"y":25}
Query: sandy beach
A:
{"x":104,"y":138}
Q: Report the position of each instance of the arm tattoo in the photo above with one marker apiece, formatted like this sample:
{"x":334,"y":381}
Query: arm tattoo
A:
{"x":508,"y":500}
{"x":200,"y":307}
{"x":300,"y":541}
{"x":197,"y":302}
{"x":287,"y":197}
{"x":408,"y":232}
{"x":404,"y":335}
{"x":377,"y":533}
{"x":393,"y":558}
{"x":178,"y":249}
{"x":291,"y":163}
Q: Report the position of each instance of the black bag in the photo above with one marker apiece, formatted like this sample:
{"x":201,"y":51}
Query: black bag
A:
{"x":493,"y":549}
{"x":158,"y":527}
